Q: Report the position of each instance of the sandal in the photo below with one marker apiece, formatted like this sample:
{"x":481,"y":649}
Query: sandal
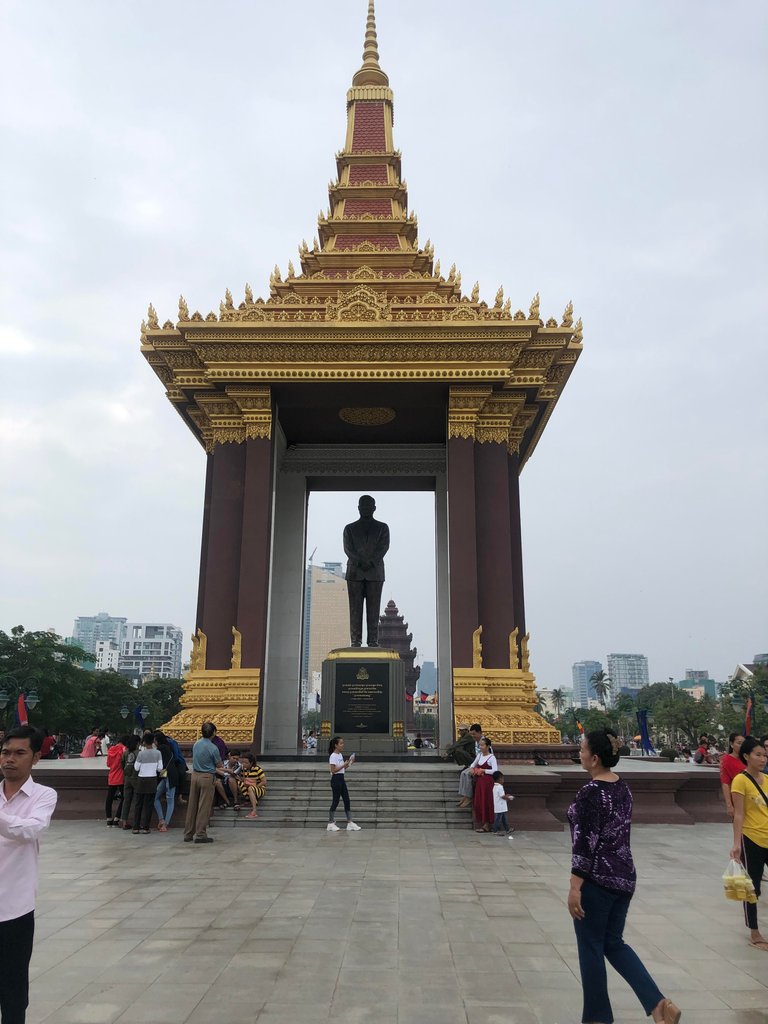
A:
{"x":672,"y":1013}
{"x":253,"y":814}
{"x":760,"y":944}
{"x":162,"y":827}
{"x":236,"y":807}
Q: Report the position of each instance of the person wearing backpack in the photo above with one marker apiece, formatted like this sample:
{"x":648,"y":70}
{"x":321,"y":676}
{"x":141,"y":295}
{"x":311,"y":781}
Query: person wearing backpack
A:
{"x":749,"y":793}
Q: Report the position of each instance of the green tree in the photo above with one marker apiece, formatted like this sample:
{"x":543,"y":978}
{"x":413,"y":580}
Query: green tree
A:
{"x":601,"y":683}
{"x":733,"y":697}
{"x":558,"y":701}
{"x":623,"y":713}
{"x":162,"y":698}
{"x":42,"y":661}
{"x":680,"y":712}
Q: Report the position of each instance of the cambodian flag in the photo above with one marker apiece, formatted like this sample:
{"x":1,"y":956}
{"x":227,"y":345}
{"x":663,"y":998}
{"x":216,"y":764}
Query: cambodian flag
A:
{"x":21,"y":711}
{"x":580,"y":727}
{"x":423,"y":696}
{"x":748,"y":718}
{"x":409,"y":697}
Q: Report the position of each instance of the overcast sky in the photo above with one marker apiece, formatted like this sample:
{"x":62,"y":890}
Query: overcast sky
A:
{"x":610,"y":153}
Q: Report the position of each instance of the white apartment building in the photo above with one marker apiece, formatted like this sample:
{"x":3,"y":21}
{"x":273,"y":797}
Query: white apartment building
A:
{"x":628,"y":672}
{"x":151,"y":650}
{"x":107,"y":655}
{"x":89,"y":629}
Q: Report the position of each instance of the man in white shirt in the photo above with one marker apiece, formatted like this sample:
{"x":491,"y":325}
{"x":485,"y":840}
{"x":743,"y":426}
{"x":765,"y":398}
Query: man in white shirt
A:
{"x":25,"y":811}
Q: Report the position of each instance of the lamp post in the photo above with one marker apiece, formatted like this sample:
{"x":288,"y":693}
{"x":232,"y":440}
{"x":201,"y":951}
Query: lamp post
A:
{"x":17,"y":690}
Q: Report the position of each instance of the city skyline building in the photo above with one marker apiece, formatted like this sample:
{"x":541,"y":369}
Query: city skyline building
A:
{"x":151,"y":650}
{"x":583,"y":690}
{"x":628,"y":673}
{"x":697,"y":673}
{"x":107,"y":655}
{"x":326,"y":617}
{"x":90,"y":629}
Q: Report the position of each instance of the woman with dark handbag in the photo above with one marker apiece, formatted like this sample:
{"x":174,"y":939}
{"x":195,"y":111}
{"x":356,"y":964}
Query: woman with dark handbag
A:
{"x":602,"y":884}
{"x":749,"y":793}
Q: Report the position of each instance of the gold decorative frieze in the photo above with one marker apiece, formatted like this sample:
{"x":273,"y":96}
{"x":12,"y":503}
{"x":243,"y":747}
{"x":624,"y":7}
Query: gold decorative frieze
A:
{"x":228,"y":697}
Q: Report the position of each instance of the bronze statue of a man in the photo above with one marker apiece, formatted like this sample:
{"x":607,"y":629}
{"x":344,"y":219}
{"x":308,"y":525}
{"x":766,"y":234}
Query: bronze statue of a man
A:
{"x":366,"y":541}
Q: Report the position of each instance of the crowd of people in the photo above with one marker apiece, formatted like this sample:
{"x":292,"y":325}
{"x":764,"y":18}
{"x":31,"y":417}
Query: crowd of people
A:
{"x":145,"y":774}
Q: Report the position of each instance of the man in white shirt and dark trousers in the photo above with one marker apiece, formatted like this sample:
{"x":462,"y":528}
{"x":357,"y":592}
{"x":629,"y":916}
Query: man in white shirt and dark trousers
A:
{"x":25,"y":811}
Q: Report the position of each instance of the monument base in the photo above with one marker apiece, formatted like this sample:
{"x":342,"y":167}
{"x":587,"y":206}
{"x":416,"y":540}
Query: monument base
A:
{"x":362,"y":699}
{"x":227,"y":697}
{"x":502,"y":701}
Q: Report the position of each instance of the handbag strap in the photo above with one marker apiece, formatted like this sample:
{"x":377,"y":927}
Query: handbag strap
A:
{"x":758,"y":787}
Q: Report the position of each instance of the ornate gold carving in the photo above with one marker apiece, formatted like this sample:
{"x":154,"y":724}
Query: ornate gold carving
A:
{"x":578,"y":331}
{"x":503,"y":701}
{"x":361,"y":303}
{"x":464,"y":405}
{"x":362,"y":673}
{"x":237,"y":648}
{"x":498,"y":301}
{"x":183,"y":309}
{"x":362,"y":654}
{"x":568,"y":316}
{"x":477,"y":648}
{"x":533,"y":312}
{"x":152,"y":321}
{"x":199,"y":651}
{"x":227,"y":697}
{"x":366,"y":417}
{"x":514,"y":654}
{"x":525,"y":660}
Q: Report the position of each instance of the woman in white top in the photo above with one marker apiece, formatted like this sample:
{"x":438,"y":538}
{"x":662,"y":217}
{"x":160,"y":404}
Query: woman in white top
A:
{"x":338,"y":766}
{"x":147,"y":768}
{"x":483,"y":768}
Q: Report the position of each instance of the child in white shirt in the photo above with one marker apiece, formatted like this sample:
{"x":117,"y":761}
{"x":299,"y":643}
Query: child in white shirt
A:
{"x":501,"y":799}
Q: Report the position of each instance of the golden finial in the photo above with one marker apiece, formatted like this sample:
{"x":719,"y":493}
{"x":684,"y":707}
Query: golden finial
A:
{"x":228,"y":299}
{"x":477,"y":648}
{"x":475,"y":297}
{"x":514,"y":654}
{"x":457,"y":282}
{"x":452,"y":272}
{"x":183,"y":309}
{"x":370,"y":73}
{"x":533,"y":313}
{"x":568,"y":316}
{"x":143,"y":326}
{"x":248,"y":295}
{"x":152,"y":318}
{"x":437,"y":269}
{"x":278,"y":278}
{"x":525,"y":657}
{"x":578,"y":331}
{"x":507,"y":310}
{"x":303,"y":248}
{"x":291,"y":271}
{"x":499,"y":298}
{"x":237,"y":648}
{"x":315,"y":244}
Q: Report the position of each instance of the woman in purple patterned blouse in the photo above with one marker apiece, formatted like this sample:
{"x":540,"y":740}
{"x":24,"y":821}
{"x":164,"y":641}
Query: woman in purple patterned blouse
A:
{"x":602,"y":883}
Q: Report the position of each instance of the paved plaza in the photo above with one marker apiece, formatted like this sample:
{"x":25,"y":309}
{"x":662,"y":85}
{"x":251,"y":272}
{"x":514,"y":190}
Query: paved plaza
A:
{"x":376,"y":927}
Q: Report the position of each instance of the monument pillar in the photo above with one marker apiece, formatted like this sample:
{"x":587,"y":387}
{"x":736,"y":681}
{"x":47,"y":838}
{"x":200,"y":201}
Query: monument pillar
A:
{"x":516,"y":539}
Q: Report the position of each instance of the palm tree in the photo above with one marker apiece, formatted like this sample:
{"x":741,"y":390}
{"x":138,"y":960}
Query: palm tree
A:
{"x":557,"y":697}
{"x":601,"y":683}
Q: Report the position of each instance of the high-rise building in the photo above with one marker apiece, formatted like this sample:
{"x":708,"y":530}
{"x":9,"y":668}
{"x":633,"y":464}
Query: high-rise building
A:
{"x":699,"y":687}
{"x":628,"y":673}
{"x":89,"y":629}
{"x":428,"y":677}
{"x":760,"y":659}
{"x":151,"y":649}
{"x":694,"y":674}
{"x":583,"y":690}
{"x":326,"y":615}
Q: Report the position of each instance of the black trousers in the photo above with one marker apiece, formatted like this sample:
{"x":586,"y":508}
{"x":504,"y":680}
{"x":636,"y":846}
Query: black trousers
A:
{"x":112,"y":792}
{"x":144,"y":804}
{"x":340,"y":792}
{"x":370,"y":592}
{"x":753,"y":857}
{"x":15,"y":952}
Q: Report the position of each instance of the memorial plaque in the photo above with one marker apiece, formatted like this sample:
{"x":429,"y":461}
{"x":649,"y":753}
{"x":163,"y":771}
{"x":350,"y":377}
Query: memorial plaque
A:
{"x":362,"y":698}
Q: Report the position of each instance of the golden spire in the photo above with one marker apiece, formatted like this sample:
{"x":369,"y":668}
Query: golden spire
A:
{"x":370,"y":73}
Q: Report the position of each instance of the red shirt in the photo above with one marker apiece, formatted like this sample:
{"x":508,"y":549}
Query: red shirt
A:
{"x":730,"y":767}
{"x":114,"y":763}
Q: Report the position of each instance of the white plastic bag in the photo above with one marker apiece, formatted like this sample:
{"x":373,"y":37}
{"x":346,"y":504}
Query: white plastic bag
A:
{"x":737,"y":883}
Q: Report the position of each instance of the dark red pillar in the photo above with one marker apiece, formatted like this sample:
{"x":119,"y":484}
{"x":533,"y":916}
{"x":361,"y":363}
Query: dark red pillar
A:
{"x":462,"y":552}
{"x":222,"y":568}
{"x":204,"y":541}
{"x":253,"y":591}
{"x":516,"y":538}
{"x":494,"y":552}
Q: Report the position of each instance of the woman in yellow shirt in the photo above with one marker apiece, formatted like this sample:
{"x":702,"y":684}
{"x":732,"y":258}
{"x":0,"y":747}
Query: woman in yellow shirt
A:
{"x":749,"y":792}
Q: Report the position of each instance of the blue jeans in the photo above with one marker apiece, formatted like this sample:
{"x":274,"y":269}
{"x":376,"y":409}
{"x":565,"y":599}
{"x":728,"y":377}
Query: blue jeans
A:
{"x":500,"y":823}
{"x":170,"y":799}
{"x":599,"y":938}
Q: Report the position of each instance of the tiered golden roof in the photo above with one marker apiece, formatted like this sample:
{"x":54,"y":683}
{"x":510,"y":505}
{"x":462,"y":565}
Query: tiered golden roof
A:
{"x":368,"y":303}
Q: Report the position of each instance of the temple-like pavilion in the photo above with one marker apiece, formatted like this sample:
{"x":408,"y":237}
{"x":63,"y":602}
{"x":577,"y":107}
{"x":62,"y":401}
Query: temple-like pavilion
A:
{"x":366,"y":367}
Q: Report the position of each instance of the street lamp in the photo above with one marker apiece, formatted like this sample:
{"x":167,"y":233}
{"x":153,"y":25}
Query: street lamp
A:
{"x":124,"y":712}
{"x":31,"y":699}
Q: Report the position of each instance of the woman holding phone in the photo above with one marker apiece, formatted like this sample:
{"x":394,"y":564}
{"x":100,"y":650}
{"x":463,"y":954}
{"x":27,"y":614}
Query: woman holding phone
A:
{"x":337,"y":766}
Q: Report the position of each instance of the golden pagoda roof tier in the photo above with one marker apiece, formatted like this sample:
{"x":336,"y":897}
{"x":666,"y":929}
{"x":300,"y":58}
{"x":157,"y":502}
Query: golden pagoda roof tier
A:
{"x":369,"y":305}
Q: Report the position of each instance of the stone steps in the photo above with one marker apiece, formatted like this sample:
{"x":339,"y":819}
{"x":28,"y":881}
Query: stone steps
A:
{"x":383,"y":796}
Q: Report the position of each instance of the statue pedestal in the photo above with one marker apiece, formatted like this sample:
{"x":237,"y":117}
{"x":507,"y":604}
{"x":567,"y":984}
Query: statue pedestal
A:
{"x":362,"y":699}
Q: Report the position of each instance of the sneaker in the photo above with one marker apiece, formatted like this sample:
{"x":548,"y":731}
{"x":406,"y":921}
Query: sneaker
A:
{"x":187,"y":839}
{"x":203,"y":839}
{"x":332,"y":827}
{"x":352,"y":827}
